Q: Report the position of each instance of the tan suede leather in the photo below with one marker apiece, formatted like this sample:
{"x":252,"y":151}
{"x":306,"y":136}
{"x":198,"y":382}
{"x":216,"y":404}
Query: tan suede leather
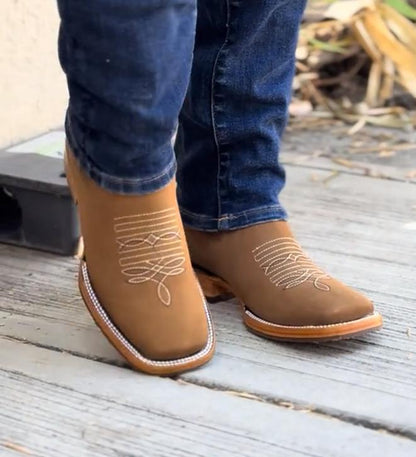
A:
{"x":266,"y":269}
{"x":139,"y":270}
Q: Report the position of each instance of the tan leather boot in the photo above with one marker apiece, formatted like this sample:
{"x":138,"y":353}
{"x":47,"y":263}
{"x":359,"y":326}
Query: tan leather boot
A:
{"x":284,"y":295}
{"x":136,"y":277}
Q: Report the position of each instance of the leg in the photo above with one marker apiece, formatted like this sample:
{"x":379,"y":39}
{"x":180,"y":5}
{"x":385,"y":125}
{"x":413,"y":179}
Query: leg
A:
{"x":230,"y":177}
{"x":128,"y":64}
{"x":235,"y":112}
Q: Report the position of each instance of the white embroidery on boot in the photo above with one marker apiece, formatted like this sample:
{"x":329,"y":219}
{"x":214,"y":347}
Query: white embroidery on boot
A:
{"x":287,"y":266}
{"x":150,"y":248}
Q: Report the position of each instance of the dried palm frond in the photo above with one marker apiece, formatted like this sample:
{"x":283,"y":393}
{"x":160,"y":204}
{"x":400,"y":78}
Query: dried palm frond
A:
{"x":366,"y":46}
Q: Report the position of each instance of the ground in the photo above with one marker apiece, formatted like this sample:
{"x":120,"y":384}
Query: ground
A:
{"x":66,"y":392}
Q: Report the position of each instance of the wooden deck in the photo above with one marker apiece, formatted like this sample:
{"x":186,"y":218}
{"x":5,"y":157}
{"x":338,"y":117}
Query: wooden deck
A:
{"x":65,"y":392}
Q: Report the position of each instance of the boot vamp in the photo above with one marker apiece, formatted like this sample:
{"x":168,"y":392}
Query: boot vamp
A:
{"x":275,"y":279}
{"x":140,"y":270}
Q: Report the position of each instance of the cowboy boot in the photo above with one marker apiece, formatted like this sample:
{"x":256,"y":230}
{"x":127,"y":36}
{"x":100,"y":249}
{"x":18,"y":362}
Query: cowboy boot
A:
{"x":283,"y":294}
{"x":136,"y":277}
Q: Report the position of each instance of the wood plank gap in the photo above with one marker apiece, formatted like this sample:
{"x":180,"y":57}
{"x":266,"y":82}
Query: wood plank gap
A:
{"x":117,"y":363}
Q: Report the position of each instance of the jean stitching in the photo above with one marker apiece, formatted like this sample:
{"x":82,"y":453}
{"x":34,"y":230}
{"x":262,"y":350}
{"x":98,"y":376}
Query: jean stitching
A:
{"x":211,"y":225}
{"x":232,"y":216}
{"x":213,"y":84}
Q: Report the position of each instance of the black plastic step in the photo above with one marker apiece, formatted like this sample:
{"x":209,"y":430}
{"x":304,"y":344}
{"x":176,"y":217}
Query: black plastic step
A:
{"x":36,"y":208}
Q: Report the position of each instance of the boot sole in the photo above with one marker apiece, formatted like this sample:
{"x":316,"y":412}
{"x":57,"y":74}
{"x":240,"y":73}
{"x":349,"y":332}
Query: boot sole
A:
{"x":216,"y":289}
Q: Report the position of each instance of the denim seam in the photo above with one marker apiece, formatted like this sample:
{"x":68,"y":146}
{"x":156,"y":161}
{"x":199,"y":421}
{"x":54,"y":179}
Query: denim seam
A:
{"x":232,"y":216}
{"x":213,"y":84}
{"x":257,"y":216}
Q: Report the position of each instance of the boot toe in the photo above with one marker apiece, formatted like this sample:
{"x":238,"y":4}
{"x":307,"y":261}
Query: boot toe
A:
{"x":184,"y":340}
{"x":353,"y":307}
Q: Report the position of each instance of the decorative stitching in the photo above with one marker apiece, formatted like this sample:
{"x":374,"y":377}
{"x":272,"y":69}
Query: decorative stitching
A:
{"x":150,"y":249}
{"x":287,"y":266}
{"x":133,"y":351}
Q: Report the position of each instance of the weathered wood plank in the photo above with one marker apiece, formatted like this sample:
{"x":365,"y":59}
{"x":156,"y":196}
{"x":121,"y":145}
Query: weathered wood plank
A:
{"x":359,"y":228}
{"x":360,"y":381}
{"x":320,"y":146}
{"x":352,"y":165}
{"x":54,"y":403}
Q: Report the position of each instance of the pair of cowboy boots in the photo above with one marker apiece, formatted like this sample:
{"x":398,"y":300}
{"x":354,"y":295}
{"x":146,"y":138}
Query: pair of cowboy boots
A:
{"x":146,"y":280}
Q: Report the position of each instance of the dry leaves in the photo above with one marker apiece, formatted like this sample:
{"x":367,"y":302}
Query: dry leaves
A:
{"x":368,"y":49}
{"x":16,"y":447}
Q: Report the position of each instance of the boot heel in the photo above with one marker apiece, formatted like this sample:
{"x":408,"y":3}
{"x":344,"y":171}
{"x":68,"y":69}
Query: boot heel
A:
{"x":214,"y":288}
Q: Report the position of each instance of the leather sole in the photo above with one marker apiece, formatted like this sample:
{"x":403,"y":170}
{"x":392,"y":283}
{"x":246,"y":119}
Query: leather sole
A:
{"x":216,"y":289}
{"x":129,"y":352}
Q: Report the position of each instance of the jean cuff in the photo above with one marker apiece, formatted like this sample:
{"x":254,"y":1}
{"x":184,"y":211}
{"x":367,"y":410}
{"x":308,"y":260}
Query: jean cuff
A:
{"x":233,"y":221}
{"x":119,"y":185}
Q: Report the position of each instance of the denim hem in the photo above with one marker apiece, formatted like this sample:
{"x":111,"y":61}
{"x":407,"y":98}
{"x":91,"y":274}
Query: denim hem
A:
{"x":233,"y":221}
{"x":119,"y":185}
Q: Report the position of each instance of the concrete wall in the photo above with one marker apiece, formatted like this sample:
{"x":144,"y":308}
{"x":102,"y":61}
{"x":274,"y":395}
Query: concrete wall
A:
{"x":33,"y":94}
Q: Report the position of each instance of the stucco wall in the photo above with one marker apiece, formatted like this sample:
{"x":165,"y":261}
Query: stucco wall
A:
{"x":32,"y":86}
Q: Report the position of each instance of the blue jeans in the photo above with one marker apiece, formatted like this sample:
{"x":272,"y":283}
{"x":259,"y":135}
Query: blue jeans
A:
{"x":217,"y":72}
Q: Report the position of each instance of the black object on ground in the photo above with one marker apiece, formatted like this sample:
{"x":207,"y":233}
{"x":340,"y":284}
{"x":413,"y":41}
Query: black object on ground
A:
{"x":36,"y":208}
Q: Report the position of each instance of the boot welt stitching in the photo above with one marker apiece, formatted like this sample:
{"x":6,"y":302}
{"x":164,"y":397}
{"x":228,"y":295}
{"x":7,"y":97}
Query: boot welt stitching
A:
{"x":129,"y":347}
{"x":339,"y":324}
